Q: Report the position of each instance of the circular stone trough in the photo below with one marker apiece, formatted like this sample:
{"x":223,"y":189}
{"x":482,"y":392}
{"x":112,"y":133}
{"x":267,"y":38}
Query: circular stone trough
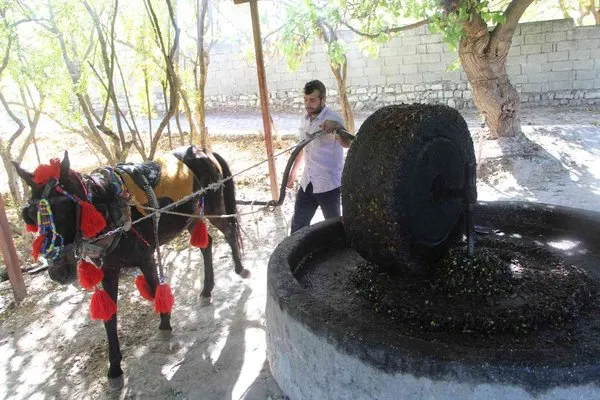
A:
{"x":326,"y":341}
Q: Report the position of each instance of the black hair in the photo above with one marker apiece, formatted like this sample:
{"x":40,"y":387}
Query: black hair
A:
{"x":315,"y":85}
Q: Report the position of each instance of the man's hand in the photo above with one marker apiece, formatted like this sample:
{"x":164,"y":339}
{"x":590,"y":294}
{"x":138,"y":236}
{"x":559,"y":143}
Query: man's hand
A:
{"x":330,"y":126}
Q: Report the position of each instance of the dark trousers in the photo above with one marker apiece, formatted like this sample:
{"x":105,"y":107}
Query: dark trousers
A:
{"x":307,"y":203}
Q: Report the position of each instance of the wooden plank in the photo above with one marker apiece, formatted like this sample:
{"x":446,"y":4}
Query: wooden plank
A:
{"x":264,"y":97}
{"x":9,"y":253}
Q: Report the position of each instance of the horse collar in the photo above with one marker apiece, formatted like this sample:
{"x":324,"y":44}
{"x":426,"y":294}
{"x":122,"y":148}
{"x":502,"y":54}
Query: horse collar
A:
{"x":98,"y":249}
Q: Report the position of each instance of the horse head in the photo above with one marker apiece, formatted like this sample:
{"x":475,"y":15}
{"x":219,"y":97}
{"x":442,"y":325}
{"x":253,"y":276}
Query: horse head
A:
{"x":54,"y":211}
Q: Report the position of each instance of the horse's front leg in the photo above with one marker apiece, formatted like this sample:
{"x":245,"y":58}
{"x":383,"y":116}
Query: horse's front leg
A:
{"x":148,"y":268}
{"x":110,"y":283}
{"x":232,"y":235}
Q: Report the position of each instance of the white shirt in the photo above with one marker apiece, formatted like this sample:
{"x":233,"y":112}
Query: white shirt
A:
{"x":323,"y":156}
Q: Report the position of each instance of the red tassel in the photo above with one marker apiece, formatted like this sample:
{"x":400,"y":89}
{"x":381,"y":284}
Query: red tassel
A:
{"x":89,"y":275}
{"x":92,"y":222}
{"x":102,"y":307}
{"x":143,"y":288}
{"x":163,"y":299}
{"x":200,"y":235}
{"x":31,"y":228}
{"x":44,"y":172}
{"x":36,"y":247}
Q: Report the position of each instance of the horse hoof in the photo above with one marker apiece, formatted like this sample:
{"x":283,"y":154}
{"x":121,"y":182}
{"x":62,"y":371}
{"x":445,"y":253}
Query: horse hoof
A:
{"x":166,"y":334}
{"x":116,"y":384}
{"x":205,"y":301}
{"x":245,"y":273}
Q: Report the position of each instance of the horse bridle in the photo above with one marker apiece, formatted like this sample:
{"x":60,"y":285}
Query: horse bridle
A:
{"x":83,"y":248}
{"x":53,"y":245}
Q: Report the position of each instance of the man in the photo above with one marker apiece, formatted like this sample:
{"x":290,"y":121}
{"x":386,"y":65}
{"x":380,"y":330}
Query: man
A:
{"x":323,"y":159}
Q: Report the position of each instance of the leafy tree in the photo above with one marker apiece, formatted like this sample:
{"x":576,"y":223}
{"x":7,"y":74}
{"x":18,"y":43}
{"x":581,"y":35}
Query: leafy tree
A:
{"x":483,"y":54}
{"x":168,"y":51}
{"x":307,"y":21}
{"x":31,"y":92}
{"x":483,"y":50}
{"x":197,"y":41}
{"x":61,"y":24}
{"x":98,"y":65}
{"x":108,"y":59}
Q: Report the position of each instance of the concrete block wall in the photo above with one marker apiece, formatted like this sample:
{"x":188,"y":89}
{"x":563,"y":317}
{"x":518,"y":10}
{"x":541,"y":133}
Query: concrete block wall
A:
{"x":550,"y":63}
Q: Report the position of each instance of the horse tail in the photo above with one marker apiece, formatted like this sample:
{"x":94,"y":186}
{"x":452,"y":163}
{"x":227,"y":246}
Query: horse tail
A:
{"x":229,"y":199}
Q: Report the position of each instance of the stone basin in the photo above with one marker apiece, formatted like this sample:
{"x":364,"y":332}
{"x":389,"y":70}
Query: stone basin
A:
{"x":325,"y":342}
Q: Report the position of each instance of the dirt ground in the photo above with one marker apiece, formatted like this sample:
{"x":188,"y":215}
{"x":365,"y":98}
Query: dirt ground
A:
{"x":51,"y":349}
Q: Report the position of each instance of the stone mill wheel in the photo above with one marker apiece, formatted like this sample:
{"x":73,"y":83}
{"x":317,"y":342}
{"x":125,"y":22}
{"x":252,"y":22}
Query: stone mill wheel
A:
{"x":407,"y":178}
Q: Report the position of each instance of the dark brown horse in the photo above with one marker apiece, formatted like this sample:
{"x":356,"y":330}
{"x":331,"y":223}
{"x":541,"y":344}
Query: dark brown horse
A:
{"x":61,"y":200}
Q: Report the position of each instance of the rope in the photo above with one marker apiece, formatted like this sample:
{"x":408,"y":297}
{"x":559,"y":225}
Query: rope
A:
{"x":196,"y":216}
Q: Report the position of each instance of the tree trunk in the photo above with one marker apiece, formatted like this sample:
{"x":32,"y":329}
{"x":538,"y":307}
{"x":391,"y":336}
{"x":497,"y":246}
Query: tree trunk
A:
{"x":5,"y":153}
{"x":13,"y":179}
{"x":562,"y":4}
{"x":168,"y":54}
{"x":595,"y":11}
{"x":340,"y":76}
{"x":493,"y":94}
{"x":200,"y":70}
{"x":339,"y":70}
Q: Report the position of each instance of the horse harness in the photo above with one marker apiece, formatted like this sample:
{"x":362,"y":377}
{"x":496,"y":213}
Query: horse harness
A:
{"x":146,"y":177}
{"x":117,"y":213}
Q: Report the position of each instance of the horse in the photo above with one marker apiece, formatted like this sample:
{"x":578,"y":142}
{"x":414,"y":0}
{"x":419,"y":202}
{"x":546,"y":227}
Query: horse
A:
{"x":91,"y":219}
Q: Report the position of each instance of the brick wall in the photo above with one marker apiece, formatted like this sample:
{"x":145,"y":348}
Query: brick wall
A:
{"x":550,"y":63}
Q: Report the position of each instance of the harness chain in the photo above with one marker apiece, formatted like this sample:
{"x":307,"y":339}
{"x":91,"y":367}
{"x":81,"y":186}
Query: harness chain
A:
{"x":212,"y":186}
{"x":153,"y":201}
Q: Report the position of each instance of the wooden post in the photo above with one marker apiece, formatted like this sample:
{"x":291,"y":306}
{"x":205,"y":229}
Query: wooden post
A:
{"x":264,"y":94}
{"x":9,"y":253}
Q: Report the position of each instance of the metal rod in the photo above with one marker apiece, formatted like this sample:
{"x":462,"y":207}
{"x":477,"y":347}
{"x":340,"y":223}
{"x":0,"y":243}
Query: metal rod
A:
{"x":469,"y":207}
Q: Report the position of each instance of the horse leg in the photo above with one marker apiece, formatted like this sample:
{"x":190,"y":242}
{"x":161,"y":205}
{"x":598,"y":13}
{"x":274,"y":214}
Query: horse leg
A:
{"x":110,"y":283}
{"x":231,"y":233}
{"x":209,"y":276}
{"x":148,"y":269}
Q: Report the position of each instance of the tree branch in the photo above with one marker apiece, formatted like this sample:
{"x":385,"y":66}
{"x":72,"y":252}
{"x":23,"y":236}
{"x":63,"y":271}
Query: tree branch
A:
{"x":513,"y":14}
{"x":387,"y":31}
{"x":146,"y":54}
{"x":264,"y":39}
{"x":476,"y":27}
{"x":6,"y":56}
{"x":14,"y":118}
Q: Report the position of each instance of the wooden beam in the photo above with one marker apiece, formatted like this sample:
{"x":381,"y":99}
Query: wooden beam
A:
{"x":9,"y":253}
{"x":264,"y":96}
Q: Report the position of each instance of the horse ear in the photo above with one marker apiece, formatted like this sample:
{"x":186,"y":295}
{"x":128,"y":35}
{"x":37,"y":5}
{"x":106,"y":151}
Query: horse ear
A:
{"x":26,"y":176}
{"x":65,"y":167}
